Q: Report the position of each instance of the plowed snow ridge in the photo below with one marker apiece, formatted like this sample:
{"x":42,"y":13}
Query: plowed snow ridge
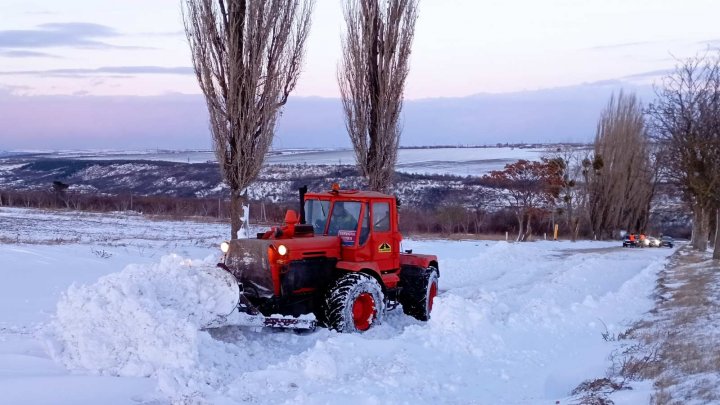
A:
{"x":144,"y":321}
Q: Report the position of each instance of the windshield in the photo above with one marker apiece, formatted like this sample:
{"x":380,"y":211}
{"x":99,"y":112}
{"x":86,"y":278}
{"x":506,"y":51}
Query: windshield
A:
{"x":344,"y":217}
{"x":316,"y":214}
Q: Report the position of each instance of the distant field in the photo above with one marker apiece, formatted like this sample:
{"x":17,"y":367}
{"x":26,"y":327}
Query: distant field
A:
{"x":456,"y":161}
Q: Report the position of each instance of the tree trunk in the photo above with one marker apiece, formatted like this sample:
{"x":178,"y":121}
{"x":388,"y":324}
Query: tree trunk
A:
{"x":528,"y":229}
{"x":236,"y":213}
{"x":575,"y":229}
{"x":700,"y":228}
{"x":572,"y":223}
{"x":521,"y":221}
{"x":716,"y":246}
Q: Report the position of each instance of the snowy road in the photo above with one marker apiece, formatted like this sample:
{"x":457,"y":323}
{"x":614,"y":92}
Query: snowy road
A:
{"x":515,"y":324}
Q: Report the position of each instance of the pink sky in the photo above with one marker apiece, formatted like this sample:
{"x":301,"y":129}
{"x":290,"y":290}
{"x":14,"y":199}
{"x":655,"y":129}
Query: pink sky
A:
{"x":82,"y":48}
{"x":462,"y":47}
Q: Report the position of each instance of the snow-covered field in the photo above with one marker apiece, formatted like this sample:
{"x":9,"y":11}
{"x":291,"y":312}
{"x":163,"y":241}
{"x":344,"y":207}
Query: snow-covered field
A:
{"x":456,"y":161}
{"x":514,"y":323}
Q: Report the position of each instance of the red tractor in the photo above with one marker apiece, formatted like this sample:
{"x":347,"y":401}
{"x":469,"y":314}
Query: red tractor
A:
{"x":339,"y":260}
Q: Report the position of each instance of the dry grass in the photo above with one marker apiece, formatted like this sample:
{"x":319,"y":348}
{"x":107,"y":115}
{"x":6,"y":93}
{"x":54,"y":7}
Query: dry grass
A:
{"x":687,"y":327}
{"x":29,"y":241}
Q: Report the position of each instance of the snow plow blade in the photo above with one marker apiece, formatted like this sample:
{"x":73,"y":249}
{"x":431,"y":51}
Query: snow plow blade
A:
{"x":290,"y":323}
{"x":237,"y":318}
{"x":245,"y":313}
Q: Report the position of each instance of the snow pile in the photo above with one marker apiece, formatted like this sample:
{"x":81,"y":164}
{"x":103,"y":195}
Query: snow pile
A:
{"x":144,"y":321}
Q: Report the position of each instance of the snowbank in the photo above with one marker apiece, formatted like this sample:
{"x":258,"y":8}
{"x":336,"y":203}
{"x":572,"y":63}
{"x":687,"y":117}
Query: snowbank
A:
{"x":144,"y":321}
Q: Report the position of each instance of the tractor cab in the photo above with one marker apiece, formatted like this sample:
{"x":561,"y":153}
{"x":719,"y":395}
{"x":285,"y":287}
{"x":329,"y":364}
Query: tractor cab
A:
{"x":364,"y":221}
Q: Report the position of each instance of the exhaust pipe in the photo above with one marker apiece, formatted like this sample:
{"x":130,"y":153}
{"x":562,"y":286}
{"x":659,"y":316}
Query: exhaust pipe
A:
{"x":302,"y":191}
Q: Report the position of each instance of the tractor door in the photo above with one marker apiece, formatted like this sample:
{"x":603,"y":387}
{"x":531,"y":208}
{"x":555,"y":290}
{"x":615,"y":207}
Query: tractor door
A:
{"x":384,"y":239}
{"x":363,"y":248}
{"x":346,"y":221}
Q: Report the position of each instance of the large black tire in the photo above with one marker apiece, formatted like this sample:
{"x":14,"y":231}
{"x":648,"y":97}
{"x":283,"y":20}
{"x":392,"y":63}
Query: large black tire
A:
{"x":418,"y":293}
{"x":353,"y":303}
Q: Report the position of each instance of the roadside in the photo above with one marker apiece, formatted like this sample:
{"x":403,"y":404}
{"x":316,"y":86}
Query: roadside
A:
{"x":671,"y":356}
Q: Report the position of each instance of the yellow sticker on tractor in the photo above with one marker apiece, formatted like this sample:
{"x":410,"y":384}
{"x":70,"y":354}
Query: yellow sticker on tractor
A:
{"x":384,"y":248}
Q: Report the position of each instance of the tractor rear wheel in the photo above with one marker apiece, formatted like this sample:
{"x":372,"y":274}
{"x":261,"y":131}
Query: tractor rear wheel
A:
{"x":353,"y":303}
{"x":417,"y":295}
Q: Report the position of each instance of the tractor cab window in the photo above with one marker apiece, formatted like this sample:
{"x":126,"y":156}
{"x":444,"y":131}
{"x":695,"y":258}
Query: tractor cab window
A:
{"x":316,"y":214}
{"x":381,"y":217}
{"x":344,"y":217}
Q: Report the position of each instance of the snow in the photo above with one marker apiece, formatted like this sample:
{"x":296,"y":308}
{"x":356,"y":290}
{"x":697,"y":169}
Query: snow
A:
{"x":457,"y":161}
{"x":517,"y":323}
{"x":141,"y":320}
{"x":94,"y":171}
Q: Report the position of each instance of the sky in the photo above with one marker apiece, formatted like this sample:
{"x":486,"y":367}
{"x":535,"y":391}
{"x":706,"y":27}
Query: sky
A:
{"x":86,"y":73}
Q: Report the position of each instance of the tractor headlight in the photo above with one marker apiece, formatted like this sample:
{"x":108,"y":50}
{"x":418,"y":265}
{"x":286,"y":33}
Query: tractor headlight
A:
{"x":282,"y":249}
{"x":224,"y":247}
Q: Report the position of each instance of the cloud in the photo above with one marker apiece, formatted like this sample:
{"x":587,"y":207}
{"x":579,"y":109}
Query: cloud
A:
{"x":711,"y":45}
{"x":607,"y":82}
{"x":53,"y":35}
{"x":41,"y":12}
{"x":104,"y":71}
{"x":649,"y":74}
{"x":710,"y":42}
{"x":162,"y":34}
{"x":619,"y":46}
{"x":18,"y":53}
{"x":7,"y":90}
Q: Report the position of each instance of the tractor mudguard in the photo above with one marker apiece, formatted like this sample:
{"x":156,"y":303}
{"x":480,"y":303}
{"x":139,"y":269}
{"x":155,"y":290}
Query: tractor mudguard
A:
{"x":418,"y":260}
{"x":387,"y":279}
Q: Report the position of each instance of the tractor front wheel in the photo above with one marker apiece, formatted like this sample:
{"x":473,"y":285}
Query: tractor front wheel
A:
{"x":353,"y":303}
{"x":419,"y":293}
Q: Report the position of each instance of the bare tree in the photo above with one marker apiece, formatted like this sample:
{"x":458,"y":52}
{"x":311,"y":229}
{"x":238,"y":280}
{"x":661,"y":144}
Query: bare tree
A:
{"x":372,"y":73}
{"x":621,"y":181}
{"x":60,"y":190}
{"x":247,"y":56}
{"x":686,"y":124}
{"x":711,"y":113}
{"x":568,"y":164}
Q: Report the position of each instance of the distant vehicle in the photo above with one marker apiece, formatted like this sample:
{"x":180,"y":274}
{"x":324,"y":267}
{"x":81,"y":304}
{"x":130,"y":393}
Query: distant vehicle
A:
{"x":667,"y":241}
{"x":627,"y":242}
{"x":651,"y":241}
